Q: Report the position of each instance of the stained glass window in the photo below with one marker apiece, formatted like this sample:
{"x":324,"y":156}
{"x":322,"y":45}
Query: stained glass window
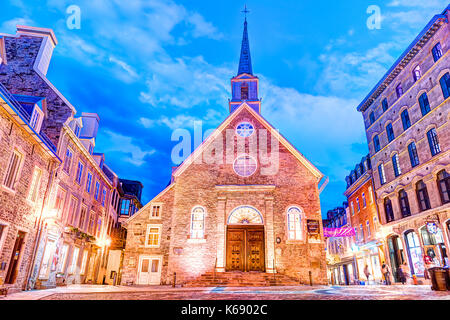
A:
{"x":245,"y":165}
{"x":244,"y":129}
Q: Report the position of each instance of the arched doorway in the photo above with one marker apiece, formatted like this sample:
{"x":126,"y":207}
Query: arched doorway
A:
{"x":245,"y":240}
{"x":414,"y":253}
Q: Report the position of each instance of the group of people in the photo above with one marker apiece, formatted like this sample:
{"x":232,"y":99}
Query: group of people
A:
{"x":386,"y":271}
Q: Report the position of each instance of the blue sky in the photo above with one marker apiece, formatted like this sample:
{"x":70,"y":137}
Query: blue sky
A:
{"x":147,"y":67}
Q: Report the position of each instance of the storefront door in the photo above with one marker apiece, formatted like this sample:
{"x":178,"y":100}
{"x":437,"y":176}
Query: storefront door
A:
{"x":245,"y":248}
{"x":11,"y":275}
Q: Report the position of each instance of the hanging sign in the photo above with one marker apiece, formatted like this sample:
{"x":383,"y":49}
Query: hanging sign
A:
{"x":432,"y":227}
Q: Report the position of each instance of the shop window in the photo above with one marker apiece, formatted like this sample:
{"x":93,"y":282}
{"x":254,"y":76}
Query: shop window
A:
{"x":415,"y":253}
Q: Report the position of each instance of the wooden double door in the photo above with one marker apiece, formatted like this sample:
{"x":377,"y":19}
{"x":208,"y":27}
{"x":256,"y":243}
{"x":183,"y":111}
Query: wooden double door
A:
{"x":245,"y":248}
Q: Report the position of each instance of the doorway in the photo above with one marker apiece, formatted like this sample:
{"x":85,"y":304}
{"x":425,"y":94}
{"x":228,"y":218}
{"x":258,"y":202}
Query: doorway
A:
{"x":11,"y":275}
{"x":245,"y":248}
{"x":149,"y":270}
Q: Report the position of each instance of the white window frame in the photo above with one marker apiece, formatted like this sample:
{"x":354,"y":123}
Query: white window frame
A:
{"x":5,"y":232}
{"x":65,"y":254}
{"x":12,"y":187}
{"x":84,"y":262}
{"x":298,"y":225}
{"x":33,"y":191}
{"x":74,"y":260}
{"x":156,"y":204}
{"x":147,"y":233}
{"x":192,"y":222}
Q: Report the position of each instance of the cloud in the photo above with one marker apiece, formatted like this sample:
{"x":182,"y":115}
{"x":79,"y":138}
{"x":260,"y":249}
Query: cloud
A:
{"x":130,"y":75}
{"x":9,"y":26}
{"x":129,"y":150}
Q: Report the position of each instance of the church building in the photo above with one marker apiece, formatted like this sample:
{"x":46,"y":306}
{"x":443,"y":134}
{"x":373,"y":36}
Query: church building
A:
{"x":244,"y":203}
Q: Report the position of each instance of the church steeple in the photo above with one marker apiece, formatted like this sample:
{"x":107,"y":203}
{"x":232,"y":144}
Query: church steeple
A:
{"x":245,"y":61}
{"x":244,"y":86}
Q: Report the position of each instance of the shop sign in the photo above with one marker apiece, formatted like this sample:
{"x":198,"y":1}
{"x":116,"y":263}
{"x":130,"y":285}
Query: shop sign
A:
{"x":432,"y":227}
{"x":313,"y":226}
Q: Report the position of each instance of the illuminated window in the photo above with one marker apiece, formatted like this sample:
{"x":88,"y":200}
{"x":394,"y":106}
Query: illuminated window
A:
{"x":34,"y":186}
{"x":156,"y":211}
{"x":13,"y":170}
{"x":60,"y":200}
{"x":84,"y":262}
{"x":47,"y":258}
{"x":64,"y":254}
{"x":396,"y":165}
{"x":153,"y":235}
{"x":73,"y":263}
{"x":294,"y":220}
{"x":197,"y":223}
{"x":245,"y":165}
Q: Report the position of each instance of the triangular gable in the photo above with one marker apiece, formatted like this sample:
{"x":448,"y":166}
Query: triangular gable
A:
{"x":245,"y":76}
{"x":148,"y":204}
{"x":197,"y":152}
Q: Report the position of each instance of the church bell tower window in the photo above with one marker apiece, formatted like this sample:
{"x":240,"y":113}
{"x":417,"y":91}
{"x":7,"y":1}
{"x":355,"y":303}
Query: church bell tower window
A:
{"x":244,"y":91}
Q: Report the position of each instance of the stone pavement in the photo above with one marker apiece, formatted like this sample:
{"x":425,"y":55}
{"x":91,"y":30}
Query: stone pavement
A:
{"x":99,"y":292}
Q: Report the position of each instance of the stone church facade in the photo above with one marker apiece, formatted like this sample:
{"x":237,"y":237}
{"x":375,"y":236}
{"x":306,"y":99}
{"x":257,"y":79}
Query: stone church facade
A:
{"x":245,"y":201}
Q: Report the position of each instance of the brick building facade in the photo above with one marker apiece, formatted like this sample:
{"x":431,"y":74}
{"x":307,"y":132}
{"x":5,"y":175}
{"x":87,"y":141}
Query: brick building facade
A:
{"x":232,"y":214}
{"x":369,"y":248}
{"x":406,"y":116}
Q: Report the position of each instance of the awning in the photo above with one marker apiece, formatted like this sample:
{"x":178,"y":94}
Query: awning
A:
{"x":338,"y":232}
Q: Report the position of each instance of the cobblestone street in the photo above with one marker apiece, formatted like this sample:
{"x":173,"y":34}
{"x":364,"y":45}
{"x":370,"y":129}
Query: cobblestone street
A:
{"x":92,"y":292}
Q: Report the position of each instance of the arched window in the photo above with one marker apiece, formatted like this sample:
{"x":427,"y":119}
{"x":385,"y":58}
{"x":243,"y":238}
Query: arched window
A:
{"x":376,"y":143}
{"x":384,"y":104}
{"x":371,"y":118}
{"x":417,"y":73}
{"x":437,"y":51}
{"x":390,"y":132}
{"x":414,"y":252}
{"x":445,"y":85}
{"x":422,"y":196}
{"x":433,"y":142}
{"x":424,"y":103}
{"x":294,"y":221}
{"x":198,"y":223}
{"x":443,"y":180}
{"x":413,"y":156}
{"x":388,"y":210}
{"x":396,"y":165}
{"x":399,"y":90}
{"x":404,"y":203}
{"x":381,"y":174}
{"x":405,"y":119}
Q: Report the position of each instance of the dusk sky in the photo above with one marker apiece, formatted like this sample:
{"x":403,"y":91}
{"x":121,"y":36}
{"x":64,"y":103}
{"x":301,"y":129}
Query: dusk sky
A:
{"x":149,"y":67}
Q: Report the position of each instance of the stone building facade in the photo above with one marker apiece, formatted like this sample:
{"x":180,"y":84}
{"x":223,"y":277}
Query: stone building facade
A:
{"x":369,"y":245}
{"x":406,"y":116}
{"x":75,"y":226}
{"x":27,"y":163}
{"x":227,"y":211}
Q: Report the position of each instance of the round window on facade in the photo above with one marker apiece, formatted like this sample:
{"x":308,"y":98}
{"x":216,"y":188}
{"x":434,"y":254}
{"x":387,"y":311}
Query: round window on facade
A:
{"x":245,"y":165}
{"x":244,"y":129}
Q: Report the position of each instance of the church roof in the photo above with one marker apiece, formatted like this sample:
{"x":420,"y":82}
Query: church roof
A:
{"x":245,"y":61}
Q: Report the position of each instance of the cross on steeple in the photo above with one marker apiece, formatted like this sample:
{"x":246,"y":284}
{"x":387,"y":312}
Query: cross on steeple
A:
{"x":245,"y":11}
{"x":245,"y":63}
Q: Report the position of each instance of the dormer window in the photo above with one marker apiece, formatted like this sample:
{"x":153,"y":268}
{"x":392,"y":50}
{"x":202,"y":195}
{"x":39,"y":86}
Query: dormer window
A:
{"x":36,"y":118}
{"x":244,"y":91}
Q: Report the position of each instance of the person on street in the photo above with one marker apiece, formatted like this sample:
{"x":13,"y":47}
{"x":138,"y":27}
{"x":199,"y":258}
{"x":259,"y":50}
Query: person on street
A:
{"x":367,"y":273}
{"x":386,"y":273}
{"x":402,"y":273}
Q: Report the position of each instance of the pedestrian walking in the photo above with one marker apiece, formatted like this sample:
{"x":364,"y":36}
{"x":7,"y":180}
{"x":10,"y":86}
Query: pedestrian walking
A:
{"x":386,"y":273}
{"x":402,"y":273}
{"x":367,"y":273}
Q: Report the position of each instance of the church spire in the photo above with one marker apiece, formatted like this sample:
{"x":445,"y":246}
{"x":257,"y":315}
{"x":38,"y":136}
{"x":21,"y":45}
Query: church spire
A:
{"x":245,"y":61}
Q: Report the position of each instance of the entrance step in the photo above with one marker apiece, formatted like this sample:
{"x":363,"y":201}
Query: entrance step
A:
{"x":242,"y":279}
